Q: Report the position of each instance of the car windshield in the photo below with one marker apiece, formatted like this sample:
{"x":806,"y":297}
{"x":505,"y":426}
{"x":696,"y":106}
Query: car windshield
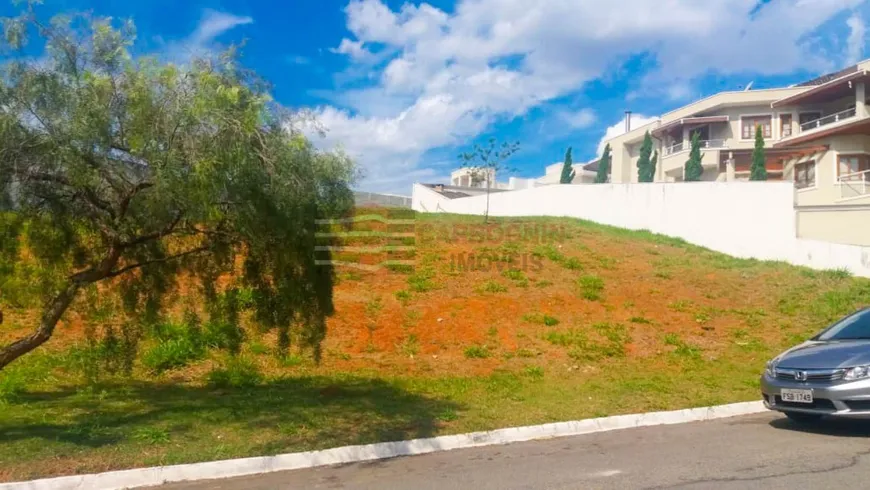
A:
{"x":853,"y":327}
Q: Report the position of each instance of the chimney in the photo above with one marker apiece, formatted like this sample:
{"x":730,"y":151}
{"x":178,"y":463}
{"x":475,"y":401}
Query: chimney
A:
{"x":627,"y":121}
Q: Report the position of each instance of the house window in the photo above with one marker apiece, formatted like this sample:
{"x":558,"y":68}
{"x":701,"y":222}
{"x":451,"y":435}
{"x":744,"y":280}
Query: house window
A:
{"x":749,"y":124}
{"x":805,"y":174}
{"x":785,"y":125}
{"x":849,"y":165}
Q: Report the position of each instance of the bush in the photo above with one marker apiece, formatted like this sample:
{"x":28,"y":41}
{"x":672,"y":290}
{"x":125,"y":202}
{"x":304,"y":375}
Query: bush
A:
{"x":237,"y":372}
{"x":172,"y":354}
{"x":223,"y":335}
{"x":573,"y":263}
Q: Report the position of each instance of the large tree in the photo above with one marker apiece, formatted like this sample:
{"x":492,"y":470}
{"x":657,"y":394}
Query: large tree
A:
{"x":758,"y":169}
{"x":603,"y":166}
{"x":127,"y":172}
{"x":486,"y":161}
{"x":646,"y":162}
{"x":568,"y":171}
{"x":694,"y":168}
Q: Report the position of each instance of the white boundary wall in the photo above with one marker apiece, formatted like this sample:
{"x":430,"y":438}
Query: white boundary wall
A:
{"x":743,"y":219}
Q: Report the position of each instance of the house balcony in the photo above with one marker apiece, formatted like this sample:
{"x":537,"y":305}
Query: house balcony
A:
{"x":848,"y":91}
{"x":686,"y":146}
{"x":829,"y":119}
{"x":854,"y":185}
{"x":675,"y":156}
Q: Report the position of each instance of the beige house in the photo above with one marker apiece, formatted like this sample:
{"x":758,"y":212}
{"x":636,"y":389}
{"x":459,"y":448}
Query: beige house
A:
{"x":817,"y":134}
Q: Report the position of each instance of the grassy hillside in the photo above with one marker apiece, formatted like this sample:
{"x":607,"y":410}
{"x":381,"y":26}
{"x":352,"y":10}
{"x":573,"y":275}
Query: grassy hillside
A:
{"x":520,"y":321}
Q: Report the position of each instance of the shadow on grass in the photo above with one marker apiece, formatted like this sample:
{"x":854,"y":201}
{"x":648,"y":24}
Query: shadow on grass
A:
{"x":283,"y":415}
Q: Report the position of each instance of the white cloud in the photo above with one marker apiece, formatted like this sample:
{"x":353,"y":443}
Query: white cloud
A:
{"x":637,"y":120}
{"x":857,"y":38}
{"x":203,"y":40}
{"x":489,"y":60}
{"x":354,"y":50}
{"x":579,"y":119}
{"x":679,"y":90}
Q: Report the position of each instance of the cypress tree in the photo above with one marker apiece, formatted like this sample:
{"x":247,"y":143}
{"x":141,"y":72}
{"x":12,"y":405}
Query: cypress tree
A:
{"x":758,"y":171}
{"x":694,"y":169}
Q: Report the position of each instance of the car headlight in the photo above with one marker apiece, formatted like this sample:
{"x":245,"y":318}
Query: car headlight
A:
{"x":770,"y":368}
{"x":858,"y":372}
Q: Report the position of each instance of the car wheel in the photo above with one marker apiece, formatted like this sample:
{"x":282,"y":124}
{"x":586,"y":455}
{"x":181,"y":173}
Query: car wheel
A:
{"x":803,"y":418}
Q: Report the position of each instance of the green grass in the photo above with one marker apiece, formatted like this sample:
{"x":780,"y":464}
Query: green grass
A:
{"x":403,"y":296}
{"x":573,"y":263}
{"x":421,"y":281}
{"x":541,"y":318}
{"x":681,"y":348}
{"x":591,"y":287}
{"x":63,"y":413}
{"x":514,"y":274}
{"x":477,"y":352}
{"x":492,"y":287}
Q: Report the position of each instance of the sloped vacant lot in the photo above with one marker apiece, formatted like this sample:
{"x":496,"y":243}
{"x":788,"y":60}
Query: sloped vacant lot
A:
{"x":465,"y":326}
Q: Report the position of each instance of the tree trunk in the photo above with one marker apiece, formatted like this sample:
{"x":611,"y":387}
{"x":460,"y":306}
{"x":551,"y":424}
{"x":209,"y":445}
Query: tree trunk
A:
{"x":51,"y":315}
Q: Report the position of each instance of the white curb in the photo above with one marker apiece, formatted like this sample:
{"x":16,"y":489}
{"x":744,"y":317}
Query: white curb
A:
{"x":144,"y":477}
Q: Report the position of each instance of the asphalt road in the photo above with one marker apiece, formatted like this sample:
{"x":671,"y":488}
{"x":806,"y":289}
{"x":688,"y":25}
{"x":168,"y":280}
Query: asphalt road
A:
{"x":759,"y":451}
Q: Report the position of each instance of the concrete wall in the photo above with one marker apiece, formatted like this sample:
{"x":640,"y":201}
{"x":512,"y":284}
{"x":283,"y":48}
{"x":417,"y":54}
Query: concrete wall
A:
{"x":846,"y":225}
{"x":743,"y":219}
{"x":375,"y":199}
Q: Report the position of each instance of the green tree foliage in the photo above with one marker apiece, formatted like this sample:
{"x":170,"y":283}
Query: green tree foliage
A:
{"x":604,"y":166}
{"x":646,"y":162}
{"x":568,"y":171}
{"x":119,"y":168}
{"x":758,"y":170}
{"x":694,"y":169}
{"x":486,"y":161}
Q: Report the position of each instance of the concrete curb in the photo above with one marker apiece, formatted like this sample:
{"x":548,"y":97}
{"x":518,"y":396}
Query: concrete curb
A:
{"x":351,"y":454}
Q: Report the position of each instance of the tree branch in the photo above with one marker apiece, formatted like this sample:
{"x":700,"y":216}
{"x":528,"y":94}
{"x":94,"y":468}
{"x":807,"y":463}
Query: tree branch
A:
{"x":169,"y":228}
{"x":125,"y":203}
{"x":137,"y":265}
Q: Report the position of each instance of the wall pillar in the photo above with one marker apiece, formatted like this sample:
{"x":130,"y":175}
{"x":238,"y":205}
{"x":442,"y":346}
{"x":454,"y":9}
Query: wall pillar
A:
{"x":730,"y":172}
{"x":860,"y":100}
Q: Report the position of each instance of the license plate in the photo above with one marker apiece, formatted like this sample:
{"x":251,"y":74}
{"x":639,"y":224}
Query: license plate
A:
{"x":797,"y":396}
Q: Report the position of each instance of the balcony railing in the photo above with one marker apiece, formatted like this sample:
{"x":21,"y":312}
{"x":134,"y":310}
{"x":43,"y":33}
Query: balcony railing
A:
{"x":830,"y":119}
{"x":674,"y":149}
{"x":856,"y":184}
{"x":685,"y":145}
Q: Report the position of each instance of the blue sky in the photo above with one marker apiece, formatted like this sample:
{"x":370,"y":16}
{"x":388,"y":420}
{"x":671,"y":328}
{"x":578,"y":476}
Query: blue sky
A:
{"x":404,"y":86}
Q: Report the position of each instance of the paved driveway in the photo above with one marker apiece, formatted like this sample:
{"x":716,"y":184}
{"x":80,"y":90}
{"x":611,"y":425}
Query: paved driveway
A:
{"x":759,"y":451}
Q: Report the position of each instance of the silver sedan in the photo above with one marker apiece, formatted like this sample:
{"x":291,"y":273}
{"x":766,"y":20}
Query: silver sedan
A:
{"x":826,"y":375}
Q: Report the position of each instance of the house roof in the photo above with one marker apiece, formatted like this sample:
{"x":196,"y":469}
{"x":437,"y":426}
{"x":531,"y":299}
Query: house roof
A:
{"x":592,"y":166}
{"x":832,"y":89}
{"x":827,"y":77}
{"x":687,"y":121}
